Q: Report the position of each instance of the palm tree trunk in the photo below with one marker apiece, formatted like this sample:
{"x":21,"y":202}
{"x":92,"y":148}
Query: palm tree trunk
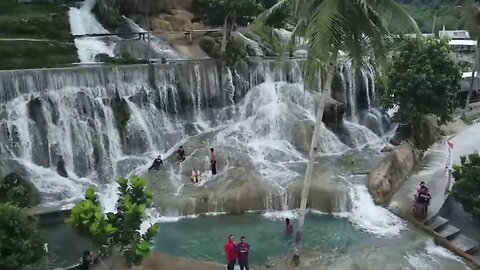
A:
{"x":472,"y":80}
{"x":326,"y":86}
{"x":225,"y":28}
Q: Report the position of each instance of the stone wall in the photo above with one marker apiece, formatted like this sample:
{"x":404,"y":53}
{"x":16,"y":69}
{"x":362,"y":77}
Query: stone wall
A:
{"x":389,"y":173}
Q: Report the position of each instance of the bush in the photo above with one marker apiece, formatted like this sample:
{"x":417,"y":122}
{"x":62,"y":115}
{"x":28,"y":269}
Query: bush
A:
{"x":467,"y":184}
{"x":20,"y":243}
{"x":120,"y":229}
{"x":18,"y":191}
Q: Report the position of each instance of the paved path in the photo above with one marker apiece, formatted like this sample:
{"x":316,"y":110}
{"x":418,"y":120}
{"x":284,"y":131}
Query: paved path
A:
{"x":432,"y":172}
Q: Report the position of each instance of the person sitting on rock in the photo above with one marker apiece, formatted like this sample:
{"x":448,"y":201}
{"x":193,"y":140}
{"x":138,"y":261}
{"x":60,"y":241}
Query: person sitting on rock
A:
{"x":156,"y":163}
{"x":180,"y":154}
{"x":195,"y":176}
{"x":61,"y":167}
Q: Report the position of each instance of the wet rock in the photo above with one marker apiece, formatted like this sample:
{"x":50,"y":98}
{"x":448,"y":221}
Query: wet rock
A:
{"x":210,"y":45}
{"x":333,"y":114}
{"x":121,"y":112}
{"x":303,"y":135}
{"x":137,"y":49}
{"x":102,"y":58}
{"x":14,"y":188}
{"x":388,"y":174}
{"x":387,"y":148}
{"x":40,"y":133}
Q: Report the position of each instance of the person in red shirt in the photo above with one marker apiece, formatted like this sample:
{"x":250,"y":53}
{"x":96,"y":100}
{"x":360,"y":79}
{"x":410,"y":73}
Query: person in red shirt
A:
{"x":231,"y":252}
{"x":213,"y":161}
{"x":243,"y":248}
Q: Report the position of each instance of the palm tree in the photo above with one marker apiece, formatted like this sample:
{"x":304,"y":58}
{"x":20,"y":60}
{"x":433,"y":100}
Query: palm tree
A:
{"x":472,"y":18}
{"x":357,"y":27}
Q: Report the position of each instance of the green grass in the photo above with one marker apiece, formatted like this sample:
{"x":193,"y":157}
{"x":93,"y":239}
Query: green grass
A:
{"x":41,"y":20}
{"x":29,"y":54}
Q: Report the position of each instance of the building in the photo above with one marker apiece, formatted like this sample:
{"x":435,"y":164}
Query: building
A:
{"x":465,"y":86}
{"x":454,"y":34}
{"x":463,"y":45}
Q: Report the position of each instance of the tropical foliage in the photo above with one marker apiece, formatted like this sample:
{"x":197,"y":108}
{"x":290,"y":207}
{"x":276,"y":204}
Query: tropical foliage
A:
{"x":20,"y":242}
{"x":358,"y":27}
{"x":467,"y":184}
{"x":422,"y":79}
{"x":121,"y":229}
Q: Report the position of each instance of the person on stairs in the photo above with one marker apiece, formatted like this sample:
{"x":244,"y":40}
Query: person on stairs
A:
{"x":61,"y":167}
{"x":157,"y":163}
{"x":213,"y":161}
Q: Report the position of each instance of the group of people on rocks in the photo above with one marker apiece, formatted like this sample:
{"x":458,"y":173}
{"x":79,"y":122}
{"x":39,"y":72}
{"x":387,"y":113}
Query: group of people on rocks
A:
{"x":238,"y":252}
{"x":180,"y":155}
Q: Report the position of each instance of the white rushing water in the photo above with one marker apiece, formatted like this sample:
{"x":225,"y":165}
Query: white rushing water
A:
{"x":75,"y":117}
{"x":159,"y":45}
{"x":82,"y":22}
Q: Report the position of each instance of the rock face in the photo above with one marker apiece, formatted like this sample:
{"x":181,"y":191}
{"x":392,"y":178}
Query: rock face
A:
{"x":423,"y":134}
{"x":384,"y":178}
{"x":27,"y":196}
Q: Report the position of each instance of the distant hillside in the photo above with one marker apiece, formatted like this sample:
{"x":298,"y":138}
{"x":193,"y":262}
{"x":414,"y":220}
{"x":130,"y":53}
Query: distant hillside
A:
{"x":448,"y":13}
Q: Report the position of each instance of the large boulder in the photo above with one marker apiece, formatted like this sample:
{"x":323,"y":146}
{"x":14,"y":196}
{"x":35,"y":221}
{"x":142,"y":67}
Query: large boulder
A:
{"x":389,"y":173}
{"x":17,"y":190}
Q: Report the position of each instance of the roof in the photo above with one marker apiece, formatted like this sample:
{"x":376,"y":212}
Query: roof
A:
{"x":454,"y":34}
{"x":462,"y":42}
{"x":469,"y":74}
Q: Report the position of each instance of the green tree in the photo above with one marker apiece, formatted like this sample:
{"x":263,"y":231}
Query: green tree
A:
{"x":229,"y":13}
{"x":120,"y":230}
{"x":20,"y":243}
{"x":357,"y":27}
{"x":422,"y":79}
{"x":467,"y":184}
{"x":472,"y":18}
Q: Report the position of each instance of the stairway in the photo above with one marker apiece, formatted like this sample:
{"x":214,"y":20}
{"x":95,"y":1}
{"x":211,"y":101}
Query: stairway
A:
{"x":444,"y":229}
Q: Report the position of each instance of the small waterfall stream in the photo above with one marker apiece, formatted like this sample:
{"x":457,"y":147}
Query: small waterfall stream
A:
{"x":82,"y":22}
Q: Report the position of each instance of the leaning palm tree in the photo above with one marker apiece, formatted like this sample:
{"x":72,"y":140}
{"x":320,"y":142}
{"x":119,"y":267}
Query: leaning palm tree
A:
{"x":357,"y":27}
{"x":472,"y":19}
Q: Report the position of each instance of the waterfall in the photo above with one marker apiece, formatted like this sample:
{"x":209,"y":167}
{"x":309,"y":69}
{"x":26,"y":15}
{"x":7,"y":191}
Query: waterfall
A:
{"x":82,"y":22}
{"x":110,"y":121}
{"x":253,"y":44}
{"x":160,"y":46}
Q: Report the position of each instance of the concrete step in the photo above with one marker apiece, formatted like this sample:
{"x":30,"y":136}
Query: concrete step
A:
{"x":464,"y":243}
{"x":437,"y":223}
{"x":448,"y":231}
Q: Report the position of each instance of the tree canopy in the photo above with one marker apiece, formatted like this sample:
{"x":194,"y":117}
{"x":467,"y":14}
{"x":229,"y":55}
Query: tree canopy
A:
{"x":467,"y":184}
{"x":20,"y":242}
{"x":121,"y":229}
{"x":240,"y":11}
{"x":422,"y":79}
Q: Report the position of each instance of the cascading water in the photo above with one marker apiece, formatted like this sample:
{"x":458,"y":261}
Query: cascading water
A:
{"x":83,"y":22}
{"x":160,"y":46}
{"x":110,"y":121}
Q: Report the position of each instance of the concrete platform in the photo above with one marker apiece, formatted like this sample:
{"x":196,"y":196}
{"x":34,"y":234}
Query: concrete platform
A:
{"x":465,"y":243}
{"x":436,"y":223}
{"x":448,"y":231}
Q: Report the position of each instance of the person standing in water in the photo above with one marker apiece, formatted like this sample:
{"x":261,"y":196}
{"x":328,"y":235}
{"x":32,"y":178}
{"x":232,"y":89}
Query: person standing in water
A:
{"x":288,"y":226}
{"x":231,"y":252}
{"x":243,"y":248}
{"x":213,"y":161}
{"x":61,"y":167}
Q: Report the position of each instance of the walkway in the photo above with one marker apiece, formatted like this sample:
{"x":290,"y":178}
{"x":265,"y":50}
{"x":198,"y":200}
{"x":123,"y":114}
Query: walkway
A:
{"x":432,"y":171}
